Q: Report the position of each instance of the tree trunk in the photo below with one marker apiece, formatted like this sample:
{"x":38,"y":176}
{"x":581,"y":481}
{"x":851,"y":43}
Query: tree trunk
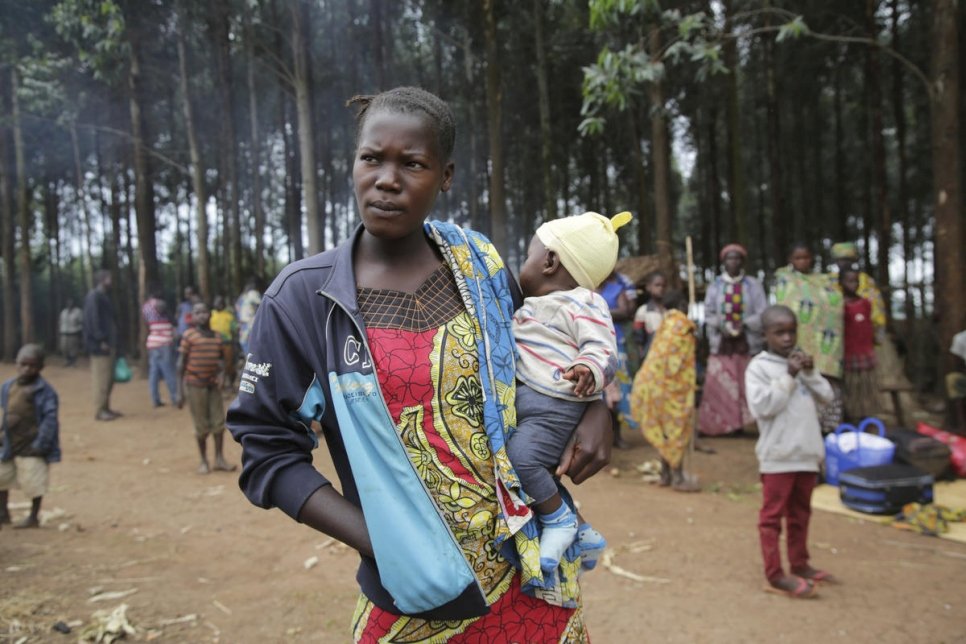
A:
{"x":231,"y":241}
{"x":736,"y":170}
{"x":306,"y":129}
{"x":197,"y":175}
{"x":660,"y":156}
{"x":257,"y":209}
{"x":643,"y":218}
{"x":143,"y":182}
{"x":377,"y":42}
{"x":7,"y":237}
{"x":476,"y":222}
{"x":949,"y":236}
{"x":714,"y":185}
{"x":841,"y":178}
{"x":23,"y":213}
{"x":494,"y":113}
{"x":779,"y":218}
{"x":52,"y":234}
{"x":883,"y":217}
{"x":546,"y":142}
{"x":899,"y":114}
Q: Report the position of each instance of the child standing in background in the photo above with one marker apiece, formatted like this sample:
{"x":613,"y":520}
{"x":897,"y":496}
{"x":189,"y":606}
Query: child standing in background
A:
{"x":860,"y":388}
{"x":782,"y":384}
{"x":223,"y":323}
{"x":647,"y":319}
{"x":201,"y":364}
{"x":31,"y":434}
{"x":567,"y":355}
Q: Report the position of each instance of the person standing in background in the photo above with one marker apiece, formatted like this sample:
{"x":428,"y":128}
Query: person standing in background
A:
{"x":183,"y":314}
{"x":845,"y":255}
{"x":245,"y":307}
{"x":100,"y":341}
{"x":70,"y":327}
{"x":820,"y":314}
{"x":160,"y":346}
{"x":732,"y":315}
{"x":621,"y":296}
{"x":223,"y":323}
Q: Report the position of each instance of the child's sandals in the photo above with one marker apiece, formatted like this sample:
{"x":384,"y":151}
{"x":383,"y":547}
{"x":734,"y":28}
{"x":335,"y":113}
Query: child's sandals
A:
{"x":792,"y":586}
{"x":817,"y":576}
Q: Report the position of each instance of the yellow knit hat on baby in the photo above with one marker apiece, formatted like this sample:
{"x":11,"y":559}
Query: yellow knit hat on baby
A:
{"x":586,"y":244}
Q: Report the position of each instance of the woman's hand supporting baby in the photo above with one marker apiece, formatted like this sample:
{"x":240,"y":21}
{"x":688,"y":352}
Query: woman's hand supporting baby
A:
{"x":590,"y":445}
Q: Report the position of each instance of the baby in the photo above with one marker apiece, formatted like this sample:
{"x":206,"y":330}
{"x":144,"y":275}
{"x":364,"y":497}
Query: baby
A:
{"x":567,"y":355}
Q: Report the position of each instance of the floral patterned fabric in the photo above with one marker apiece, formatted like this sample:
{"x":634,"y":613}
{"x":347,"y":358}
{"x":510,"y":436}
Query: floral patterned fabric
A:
{"x":818,"y":306}
{"x":425,"y":349}
{"x":663,"y":393}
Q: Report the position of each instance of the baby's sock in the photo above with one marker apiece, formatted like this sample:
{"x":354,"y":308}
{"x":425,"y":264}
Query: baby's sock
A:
{"x":559,"y":530}
{"x":592,"y":544}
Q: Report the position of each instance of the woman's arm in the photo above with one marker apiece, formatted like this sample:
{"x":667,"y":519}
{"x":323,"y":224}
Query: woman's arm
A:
{"x":624,"y":310}
{"x":590,"y":445}
{"x":329,"y":512}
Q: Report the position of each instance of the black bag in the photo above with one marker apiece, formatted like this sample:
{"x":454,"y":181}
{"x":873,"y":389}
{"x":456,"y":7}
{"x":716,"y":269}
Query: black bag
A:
{"x":925,"y":452}
{"x":884,"y":489}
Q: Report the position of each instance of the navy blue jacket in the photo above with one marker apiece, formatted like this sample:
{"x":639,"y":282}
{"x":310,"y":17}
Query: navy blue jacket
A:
{"x":47,"y":442}
{"x":309,"y":361}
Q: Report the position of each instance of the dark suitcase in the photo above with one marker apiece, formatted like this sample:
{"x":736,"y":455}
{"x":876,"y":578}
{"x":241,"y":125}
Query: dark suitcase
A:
{"x":884,"y":489}
{"x":925,"y":452}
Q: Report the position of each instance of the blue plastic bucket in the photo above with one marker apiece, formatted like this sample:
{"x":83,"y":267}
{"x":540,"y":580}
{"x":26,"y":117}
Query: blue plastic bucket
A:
{"x":864,"y":455}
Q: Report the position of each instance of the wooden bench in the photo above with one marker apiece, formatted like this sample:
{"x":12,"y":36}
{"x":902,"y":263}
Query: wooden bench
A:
{"x":894,"y":390}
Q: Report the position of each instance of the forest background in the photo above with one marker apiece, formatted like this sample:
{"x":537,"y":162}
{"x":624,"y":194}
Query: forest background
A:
{"x":177,"y":142}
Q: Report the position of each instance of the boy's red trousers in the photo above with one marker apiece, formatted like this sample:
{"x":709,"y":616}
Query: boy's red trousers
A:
{"x":788,"y":495}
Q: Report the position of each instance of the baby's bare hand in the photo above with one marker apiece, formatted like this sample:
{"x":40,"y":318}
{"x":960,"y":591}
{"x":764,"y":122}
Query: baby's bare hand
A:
{"x":583,"y":379}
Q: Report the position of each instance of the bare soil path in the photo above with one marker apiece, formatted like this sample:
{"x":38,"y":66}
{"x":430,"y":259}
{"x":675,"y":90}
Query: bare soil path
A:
{"x":127,"y":512}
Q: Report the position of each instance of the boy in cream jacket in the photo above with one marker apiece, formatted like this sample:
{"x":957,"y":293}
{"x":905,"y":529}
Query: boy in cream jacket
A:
{"x":782,"y":387}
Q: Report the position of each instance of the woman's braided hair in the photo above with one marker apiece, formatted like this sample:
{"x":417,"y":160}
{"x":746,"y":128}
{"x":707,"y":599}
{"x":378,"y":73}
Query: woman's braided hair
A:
{"x":410,"y":100}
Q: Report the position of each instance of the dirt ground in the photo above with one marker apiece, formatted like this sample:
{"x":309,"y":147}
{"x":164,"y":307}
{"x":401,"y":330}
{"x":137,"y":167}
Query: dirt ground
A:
{"x":127,"y":513}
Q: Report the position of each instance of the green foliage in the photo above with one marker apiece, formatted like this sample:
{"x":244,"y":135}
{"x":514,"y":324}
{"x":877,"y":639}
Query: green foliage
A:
{"x":793,"y":29}
{"x":96,"y":28}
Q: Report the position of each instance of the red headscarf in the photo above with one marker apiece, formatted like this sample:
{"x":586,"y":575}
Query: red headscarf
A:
{"x":733,"y":248}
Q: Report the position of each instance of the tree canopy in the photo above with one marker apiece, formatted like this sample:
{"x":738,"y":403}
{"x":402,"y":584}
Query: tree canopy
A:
{"x":182,"y":143}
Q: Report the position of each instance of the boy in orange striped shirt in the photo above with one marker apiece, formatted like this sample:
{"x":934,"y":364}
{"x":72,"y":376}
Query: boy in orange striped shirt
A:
{"x":201,"y":370}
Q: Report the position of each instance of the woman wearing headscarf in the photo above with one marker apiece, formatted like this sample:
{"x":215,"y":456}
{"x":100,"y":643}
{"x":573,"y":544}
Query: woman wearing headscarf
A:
{"x":820,"y":312}
{"x":732,"y":314}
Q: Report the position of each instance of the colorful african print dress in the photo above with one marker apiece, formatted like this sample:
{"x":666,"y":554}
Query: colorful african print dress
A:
{"x":731,"y":304}
{"x":819,"y":309}
{"x":662,"y":399}
{"x":424,"y":346}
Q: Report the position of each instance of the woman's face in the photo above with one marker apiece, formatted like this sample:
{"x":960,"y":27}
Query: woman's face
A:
{"x":801,"y":260}
{"x":656,"y":287}
{"x":733,"y":262}
{"x":850,"y":283}
{"x":397,"y":173}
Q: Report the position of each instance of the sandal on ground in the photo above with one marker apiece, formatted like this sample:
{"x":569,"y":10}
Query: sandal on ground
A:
{"x":817,"y":576}
{"x":802,"y":588}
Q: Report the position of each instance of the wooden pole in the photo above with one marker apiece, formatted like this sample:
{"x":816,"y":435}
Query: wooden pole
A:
{"x":692,"y":305}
